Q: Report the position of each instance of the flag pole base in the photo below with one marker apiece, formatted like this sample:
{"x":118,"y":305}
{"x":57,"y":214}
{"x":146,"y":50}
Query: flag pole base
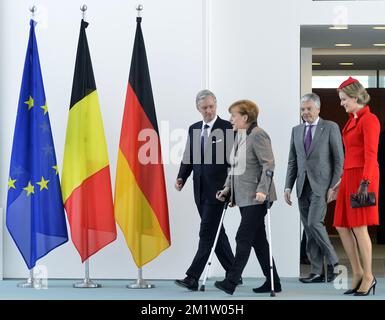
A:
{"x":141,"y":284}
{"x":29,"y":283}
{"x":87,"y":283}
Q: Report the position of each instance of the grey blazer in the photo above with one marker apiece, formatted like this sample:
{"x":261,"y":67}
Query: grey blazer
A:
{"x":251,"y":156}
{"x":323,"y":165}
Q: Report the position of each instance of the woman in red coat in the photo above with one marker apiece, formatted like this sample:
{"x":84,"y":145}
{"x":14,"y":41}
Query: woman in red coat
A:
{"x":360,"y":175}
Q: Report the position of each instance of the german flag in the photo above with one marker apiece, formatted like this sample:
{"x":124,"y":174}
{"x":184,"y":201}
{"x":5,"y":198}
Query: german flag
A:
{"x":86,"y":181}
{"x":141,"y":208}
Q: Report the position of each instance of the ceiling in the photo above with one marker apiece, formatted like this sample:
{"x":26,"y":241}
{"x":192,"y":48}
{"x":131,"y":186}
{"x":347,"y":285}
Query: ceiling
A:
{"x":362,"y":53}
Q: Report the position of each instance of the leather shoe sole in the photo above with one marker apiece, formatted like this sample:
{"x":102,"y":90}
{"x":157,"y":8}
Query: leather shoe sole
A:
{"x":318,"y":279}
{"x":267,"y":289}
{"x":183,"y":284}
{"x":218,"y":285}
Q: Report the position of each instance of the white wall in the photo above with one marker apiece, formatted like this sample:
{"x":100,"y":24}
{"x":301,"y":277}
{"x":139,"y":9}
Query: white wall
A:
{"x":252,"y":51}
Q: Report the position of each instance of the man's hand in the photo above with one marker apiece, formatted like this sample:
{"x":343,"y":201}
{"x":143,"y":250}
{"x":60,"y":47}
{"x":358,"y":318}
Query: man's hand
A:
{"x":179,"y":184}
{"x":222,"y":195}
{"x":331,"y":195}
{"x":287,"y":196}
{"x":336,"y":186}
{"x":260,"y":197}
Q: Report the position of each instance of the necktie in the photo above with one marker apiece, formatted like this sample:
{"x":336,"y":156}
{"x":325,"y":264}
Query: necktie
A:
{"x":204,"y":136}
{"x":308,"y":139}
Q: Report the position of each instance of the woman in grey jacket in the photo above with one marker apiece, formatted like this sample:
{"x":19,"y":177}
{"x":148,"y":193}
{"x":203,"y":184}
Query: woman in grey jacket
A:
{"x":249,"y":188}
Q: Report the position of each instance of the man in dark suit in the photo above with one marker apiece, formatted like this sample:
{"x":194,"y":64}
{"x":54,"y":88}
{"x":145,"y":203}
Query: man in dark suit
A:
{"x":209,"y":143}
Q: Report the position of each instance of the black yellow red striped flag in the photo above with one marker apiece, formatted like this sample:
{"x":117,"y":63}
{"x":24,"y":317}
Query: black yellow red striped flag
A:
{"x":86,"y":180}
{"x":141,"y":208}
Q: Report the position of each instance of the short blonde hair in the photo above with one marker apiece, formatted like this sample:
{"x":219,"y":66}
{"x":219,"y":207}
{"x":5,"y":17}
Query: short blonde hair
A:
{"x":356,"y":90}
{"x":246,"y":107}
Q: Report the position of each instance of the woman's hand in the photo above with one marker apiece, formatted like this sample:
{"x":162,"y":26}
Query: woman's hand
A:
{"x":222,"y":195}
{"x":260,"y":197}
{"x":362,"y":192}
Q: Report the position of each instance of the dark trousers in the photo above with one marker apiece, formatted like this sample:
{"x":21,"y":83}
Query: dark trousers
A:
{"x":210,"y":218}
{"x":252,"y":233}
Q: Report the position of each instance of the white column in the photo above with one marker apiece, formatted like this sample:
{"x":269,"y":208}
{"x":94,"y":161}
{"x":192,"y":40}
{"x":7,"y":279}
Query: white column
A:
{"x":306,"y":87}
{"x":306,"y":70}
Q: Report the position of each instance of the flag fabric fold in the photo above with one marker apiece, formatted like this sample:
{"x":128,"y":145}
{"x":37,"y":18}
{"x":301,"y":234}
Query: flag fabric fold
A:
{"x":86,"y":180}
{"x":35,"y":214}
{"x":141,"y":208}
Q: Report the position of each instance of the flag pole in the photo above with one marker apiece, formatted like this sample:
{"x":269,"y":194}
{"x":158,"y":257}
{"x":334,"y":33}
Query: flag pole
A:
{"x":30,"y":281}
{"x":87,"y":282}
{"x":140,"y":282}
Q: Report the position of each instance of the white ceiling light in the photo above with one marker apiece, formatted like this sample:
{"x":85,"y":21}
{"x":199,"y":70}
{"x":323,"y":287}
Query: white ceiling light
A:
{"x":346,"y":63}
{"x":342,"y":44}
{"x":338,"y":27}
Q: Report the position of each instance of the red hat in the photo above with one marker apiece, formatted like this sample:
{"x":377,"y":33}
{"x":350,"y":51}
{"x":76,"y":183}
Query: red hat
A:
{"x":347,"y":82}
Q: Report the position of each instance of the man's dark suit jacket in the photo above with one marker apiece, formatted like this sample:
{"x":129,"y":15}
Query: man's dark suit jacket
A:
{"x":209,"y":172}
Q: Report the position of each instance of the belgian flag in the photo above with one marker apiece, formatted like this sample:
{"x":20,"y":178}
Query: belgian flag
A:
{"x":141,"y":208}
{"x":86,"y":181}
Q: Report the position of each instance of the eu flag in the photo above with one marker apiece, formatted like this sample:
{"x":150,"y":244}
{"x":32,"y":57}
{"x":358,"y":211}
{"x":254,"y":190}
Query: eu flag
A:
{"x":35,"y":215}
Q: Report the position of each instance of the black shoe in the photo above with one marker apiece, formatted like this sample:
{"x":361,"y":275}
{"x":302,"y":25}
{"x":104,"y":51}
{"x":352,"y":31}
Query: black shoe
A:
{"x":266,"y":287}
{"x":372,"y":286}
{"x":226,"y":286}
{"x":188,"y":282}
{"x":331,"y":275}
{"x":313,"y":278}
{"x":239,"y":282}
{"x":351,"y":291}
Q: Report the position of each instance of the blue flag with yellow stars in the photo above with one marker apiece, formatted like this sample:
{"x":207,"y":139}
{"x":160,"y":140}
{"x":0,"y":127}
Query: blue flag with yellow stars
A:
{"x":35,"y":214}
